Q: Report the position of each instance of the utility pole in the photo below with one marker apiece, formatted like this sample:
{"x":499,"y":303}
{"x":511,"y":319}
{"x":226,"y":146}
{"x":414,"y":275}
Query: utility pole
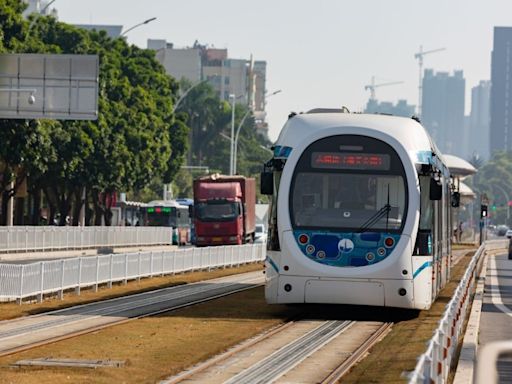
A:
{"x":419,"y":55}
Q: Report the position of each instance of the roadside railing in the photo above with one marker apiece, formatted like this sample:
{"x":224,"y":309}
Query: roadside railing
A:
{"x":434,"y":365}
{"x":34,"y":280}
{"x":51,"y":238}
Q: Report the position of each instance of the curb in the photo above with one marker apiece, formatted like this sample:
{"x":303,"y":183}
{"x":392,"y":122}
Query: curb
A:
{"x":466,"y":364}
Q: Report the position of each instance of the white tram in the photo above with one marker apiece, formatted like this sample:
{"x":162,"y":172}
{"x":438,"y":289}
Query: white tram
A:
{"x":360,"y":212}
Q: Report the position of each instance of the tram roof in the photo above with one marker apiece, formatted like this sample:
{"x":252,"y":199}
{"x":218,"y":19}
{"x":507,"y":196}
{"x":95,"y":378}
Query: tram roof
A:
{"x":408,"y":131}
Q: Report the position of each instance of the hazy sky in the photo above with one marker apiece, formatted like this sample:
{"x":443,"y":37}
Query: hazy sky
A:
{"x":321,"y":53}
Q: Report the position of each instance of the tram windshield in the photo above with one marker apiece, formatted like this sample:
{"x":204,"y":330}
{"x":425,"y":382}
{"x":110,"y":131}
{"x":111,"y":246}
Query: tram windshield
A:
{"x":332,"y":200}
{"x":360,"y":191}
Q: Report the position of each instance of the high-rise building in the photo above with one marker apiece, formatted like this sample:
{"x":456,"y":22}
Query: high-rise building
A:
{"x":443,"y":110}
{"x":501,"y":88}
{"x":401,"y":108}
{"x":479,"y":120}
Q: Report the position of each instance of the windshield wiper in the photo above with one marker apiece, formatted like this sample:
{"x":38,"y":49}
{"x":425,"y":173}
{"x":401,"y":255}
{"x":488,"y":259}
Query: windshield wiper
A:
{"x":376,"y":217}
{"x":384,"y":210}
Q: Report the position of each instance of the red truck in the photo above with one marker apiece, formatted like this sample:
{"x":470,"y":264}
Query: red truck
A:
{"x":224,"y":210}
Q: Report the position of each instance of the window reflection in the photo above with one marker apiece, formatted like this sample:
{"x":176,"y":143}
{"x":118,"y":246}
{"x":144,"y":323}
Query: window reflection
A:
{"x":338,"y":200}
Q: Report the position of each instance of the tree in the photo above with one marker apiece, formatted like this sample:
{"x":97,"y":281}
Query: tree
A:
{"x":135,"y":140}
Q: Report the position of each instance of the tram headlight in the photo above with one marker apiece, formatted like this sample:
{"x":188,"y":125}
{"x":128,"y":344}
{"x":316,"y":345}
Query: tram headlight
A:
{"x":303,"y":239}
{"x":389,"y":242}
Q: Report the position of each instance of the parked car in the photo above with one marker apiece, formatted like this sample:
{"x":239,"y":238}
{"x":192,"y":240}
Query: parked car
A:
{"x":260,"y":235}
{"x":509,"y":233}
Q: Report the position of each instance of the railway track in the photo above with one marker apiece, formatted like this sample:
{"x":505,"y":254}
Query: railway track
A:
{"x":305,"y":351}
{"x":327,"y":349}
{"x":31,"y":331}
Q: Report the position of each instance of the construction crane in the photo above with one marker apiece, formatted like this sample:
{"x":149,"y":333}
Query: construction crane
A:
{"x":372,"y":86}
{"x":419,"y":55}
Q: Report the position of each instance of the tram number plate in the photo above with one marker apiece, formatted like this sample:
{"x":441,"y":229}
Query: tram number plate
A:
{"x":217,"y":239}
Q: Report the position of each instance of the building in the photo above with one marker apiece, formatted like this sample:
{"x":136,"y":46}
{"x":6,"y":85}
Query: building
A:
{"x":401,"y":108}
{"x":112,"y":31}
{"x":479,"y":120}
{"x":179,"y":63}
{"x":246,"y":79}
{"x":501,"y":88}
{"x":443,"y":111}
{"x":38,"y":6}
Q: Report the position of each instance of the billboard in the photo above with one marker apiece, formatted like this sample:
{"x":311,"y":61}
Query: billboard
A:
{"x":49,"y":86}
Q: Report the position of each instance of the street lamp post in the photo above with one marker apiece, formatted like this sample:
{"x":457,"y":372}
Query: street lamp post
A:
{"x":180,"y":99}
{"x":231,"y":154}
{"x":235,"y":143}
{"x":137,"y":25}
{"x":37,"y":15}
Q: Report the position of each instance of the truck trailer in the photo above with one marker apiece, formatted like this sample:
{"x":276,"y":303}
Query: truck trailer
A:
{"x":224,"y":210}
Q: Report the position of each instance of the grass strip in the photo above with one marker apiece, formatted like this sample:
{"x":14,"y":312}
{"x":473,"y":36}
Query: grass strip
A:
{"x":154,"y":347}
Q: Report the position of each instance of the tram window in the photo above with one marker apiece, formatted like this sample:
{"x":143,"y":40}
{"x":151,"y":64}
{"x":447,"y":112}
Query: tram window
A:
{"x":427,"y":207}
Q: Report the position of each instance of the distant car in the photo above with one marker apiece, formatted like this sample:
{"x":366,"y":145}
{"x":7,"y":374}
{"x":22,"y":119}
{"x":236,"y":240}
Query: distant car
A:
{"x":502,"y":230}
{"x":260,"y":235}
{"x":509,"y":233}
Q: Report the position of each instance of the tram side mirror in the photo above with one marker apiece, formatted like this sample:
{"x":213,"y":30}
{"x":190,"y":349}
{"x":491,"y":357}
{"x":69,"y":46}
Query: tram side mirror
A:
{"x":267,"y":183}
{"x":436,"y":190}
{"x":455,"y":199}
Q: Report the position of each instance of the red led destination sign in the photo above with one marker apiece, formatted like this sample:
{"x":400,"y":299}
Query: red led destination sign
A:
{"x":347,"y":160}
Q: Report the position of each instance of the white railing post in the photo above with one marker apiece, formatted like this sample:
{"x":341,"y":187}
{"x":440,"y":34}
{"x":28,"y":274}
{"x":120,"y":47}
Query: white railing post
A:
{"x":97,"y":273}
{"x":125,"y":269}
{"x":79,"y":279}
{"x":111,"y":268}
{"x":61,"y":292}
{"x":138,"y":270}
{"x":41,"y":282}
{"x":26,"y":239}
{"x":20,"y":299}
{"x":151,"y":264}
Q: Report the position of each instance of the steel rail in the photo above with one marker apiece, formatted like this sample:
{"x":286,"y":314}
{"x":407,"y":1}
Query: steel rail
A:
{"x":358,"y":354}
{"x":237,"y":349}
{"x":115,"y":309}
{"x":281,"y":361}
{"x":236,"y":288}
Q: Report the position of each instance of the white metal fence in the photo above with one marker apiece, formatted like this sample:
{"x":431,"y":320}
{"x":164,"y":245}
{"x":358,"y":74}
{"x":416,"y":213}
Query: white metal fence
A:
{"x":434,"y":365}
{"x":36,"y":279}
{"x":50,"y":238}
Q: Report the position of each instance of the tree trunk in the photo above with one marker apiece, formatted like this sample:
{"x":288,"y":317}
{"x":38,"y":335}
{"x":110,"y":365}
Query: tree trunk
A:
{"x":98,"y":207}
{"x":107,"y":214}
{"x":36,"y":206}
{"x":78,"y":202}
